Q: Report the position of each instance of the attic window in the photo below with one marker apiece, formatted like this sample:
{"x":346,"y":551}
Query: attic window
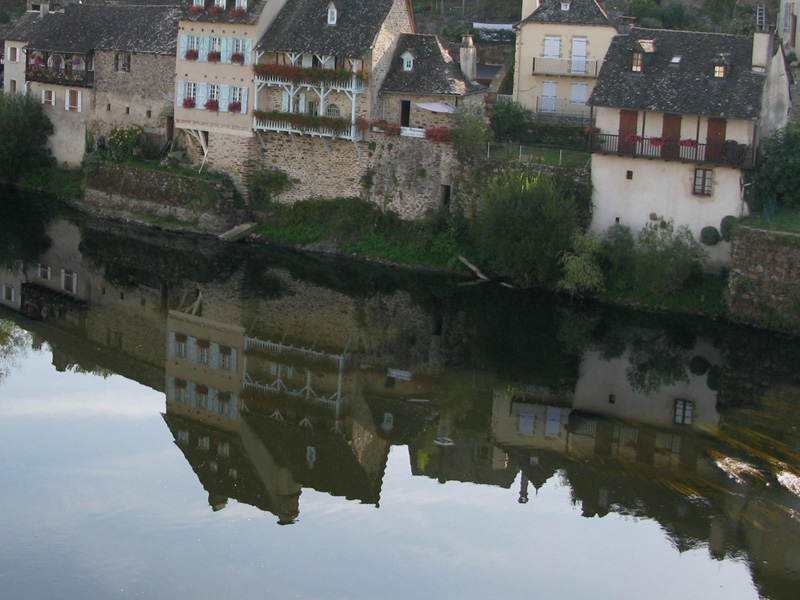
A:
{"x":565,"y":6}
{"x":637,"y":62}
{"x":676,"y":60}
{"x":408,"y":61}
{"x":332,"y":14}
{"x":720,"y":71}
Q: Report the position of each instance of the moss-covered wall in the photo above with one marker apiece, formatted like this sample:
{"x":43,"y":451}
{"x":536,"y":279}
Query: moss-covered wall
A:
{"x":764,"y":283}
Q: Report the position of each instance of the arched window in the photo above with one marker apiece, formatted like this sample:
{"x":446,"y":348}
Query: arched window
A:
{"x":332,"y":111}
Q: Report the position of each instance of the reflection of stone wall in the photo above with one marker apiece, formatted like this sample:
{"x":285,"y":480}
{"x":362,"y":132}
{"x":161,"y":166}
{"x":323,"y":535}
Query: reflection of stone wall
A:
{"x":763,"y":285}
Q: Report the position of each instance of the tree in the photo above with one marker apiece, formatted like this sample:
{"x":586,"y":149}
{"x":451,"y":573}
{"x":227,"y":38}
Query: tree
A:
{"x":582,"y":273}
{"x":472,"y":131}
{"x":525,"y":224}
{"x":510,"y":121}
{"x":666,"y":257}
{"x":24,"y":129}
{"x":778,"y":173}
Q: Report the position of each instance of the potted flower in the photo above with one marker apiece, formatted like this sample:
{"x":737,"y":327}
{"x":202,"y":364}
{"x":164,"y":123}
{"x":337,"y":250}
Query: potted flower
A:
{"x":57,"y":61}
{"x":216,"y":11}
{"x":633,"y":139}
{"x":189,"y":103}
{"x":658,"y":141}
{"x":590,"y":130}
{"x":238,"y":12}
{"x":362,"y":123}
{"x":214,"y":56}
{"x":688,"y":143}
{"x":191,"y":54}
{"x":439,"y":134}
{"x":238,"y":58}
{"x":196,"y":10}
{"x":235,"y":107}
{"x":211,"y":105}
{"x":76,"y":61}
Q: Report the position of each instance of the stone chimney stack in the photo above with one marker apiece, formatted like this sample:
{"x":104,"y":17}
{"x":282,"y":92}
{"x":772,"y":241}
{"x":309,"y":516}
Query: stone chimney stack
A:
{"x":468,"y":55}
{"x":762,"y":49}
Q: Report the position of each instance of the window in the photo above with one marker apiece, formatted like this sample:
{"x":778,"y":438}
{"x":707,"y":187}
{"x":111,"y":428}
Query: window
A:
{"x":552,"y":47}
{"x":241,"y":4}
{"x":49,"y":97}
{"x":239,"y":45}
{"x":122,"y":61}
{"x":237,"y":94}
{"x":69,"y":281}
{"x":13,"y":54}
{"x":190,"y":90}
{"x":216,"y":44}
{"x":637,"y":62}
{"x":720,"y":71}
{"x":73,"y":101}
{"x":45,"y":272}
{"x":183,"y":436}
{"x":332,"y":14}
{"x":204,"y":443}
{"x":702,"y":181}
{"x":408,"y":60}
{"x":312,"y":108}
{"x":199,"y":3}
{"x":683,"y":411}
{"x":580,"y":92}
{"x":332,"y":111}
{"x":193,"y":41}
{"x":213,"y":91}
{"x":224,"y":449}
{"x":221,"y":3}
{"x":226,"y":358}
{"x":8,"y":292}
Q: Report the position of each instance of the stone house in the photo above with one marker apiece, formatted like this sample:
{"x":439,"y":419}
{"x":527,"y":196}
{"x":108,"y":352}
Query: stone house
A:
{"x":680,"y":117}
{"x":787,"y":27}
{"x":95,"y":67}
{"x":560,"y":49}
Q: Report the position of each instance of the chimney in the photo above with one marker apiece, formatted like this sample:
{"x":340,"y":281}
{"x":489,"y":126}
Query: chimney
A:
{"x":528,"y":6}
{"x":762,"y":49}
{"x":624,"y":24}
{"x":44,"y":8}
{"x":468,"y":55}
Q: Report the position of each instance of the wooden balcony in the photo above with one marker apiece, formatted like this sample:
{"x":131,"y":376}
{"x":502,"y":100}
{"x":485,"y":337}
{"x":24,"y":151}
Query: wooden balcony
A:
{"x":351,"y":133}
{"x":577,"y":67}
{"x":729,"y":153}
{"x":72,"y":77}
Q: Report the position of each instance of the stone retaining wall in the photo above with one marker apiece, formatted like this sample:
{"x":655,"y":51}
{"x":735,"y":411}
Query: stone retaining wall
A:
{"x":764,"y":283}
{"x":143,"y":195}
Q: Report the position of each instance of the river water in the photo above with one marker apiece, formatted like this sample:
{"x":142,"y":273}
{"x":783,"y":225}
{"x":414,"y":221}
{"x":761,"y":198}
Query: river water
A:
{"x":180,"y":418}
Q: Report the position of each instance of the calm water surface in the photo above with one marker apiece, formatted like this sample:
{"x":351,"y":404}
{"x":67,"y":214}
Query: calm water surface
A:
{"x":185,"y":419}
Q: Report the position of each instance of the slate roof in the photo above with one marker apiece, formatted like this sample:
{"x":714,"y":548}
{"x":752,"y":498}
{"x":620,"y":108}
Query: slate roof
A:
{"x":688,"y":88}
{"x":302,"y":26}
{"x":82,"y":28}
{"x":581,"y":12}
{"x":254,"y":8}
{"x":434,"y":72}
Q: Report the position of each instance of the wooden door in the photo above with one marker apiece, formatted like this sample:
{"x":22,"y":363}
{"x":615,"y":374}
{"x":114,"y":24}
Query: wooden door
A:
{"x":628,"y":122}
{"x":715,"y":140}
{"x":671,"y":132}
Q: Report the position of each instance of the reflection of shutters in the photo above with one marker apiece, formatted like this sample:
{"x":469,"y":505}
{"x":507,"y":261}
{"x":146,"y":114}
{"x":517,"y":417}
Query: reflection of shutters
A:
{"x":552,"y":426}
{"x":578,"y":56}
{"x":526,"y":423}
{"x":552,"y":47}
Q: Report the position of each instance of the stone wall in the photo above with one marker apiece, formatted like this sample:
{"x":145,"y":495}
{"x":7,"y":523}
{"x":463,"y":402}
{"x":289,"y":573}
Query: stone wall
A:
{"x":189,"y":203}
{"x":764,"y":282}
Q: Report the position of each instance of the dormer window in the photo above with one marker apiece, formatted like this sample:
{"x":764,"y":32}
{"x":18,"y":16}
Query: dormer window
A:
{"x":408,"y":60}
{"x":565,"y":6}
{"x":637,"y":62}
{"x":332,"y":14}
{"x":676,"y":60}
{"x":720,"y":71}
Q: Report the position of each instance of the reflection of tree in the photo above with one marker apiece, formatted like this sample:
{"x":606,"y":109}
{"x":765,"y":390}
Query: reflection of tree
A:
{"x":655,"y":362}
{"x":13,"y":343}
{"x":23,"y":229}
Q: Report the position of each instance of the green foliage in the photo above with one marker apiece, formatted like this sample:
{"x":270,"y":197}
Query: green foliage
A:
{"x":582,"y":273}
{"x":91,"y":162}
{"x":472,"y":131}
{"x":57,"y":181}
{"x":777,"y":175}
{"x":617,"y":248}
{"x":124,"y":143}
{"x":525,"y":224}
{"x":510,"y":121}
{"x":4,"y":17}
{"x":24,"y":129}
{"x":726,"y":226}
{"x":265,"y":184}
{"x":710,"y":236}
{"x":672,"y":15}
{"x":665,"y":257}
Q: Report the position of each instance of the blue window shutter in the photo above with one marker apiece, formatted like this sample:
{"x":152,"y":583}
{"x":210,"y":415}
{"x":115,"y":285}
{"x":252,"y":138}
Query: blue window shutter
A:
{"x":244,"y":100}
{"x":181,"y":93}
{"x":205,"y":47}
{"x":184,"y":45}
{"x":227,"y":49}
{"x":202,"y":94}
{"x":248,"y":50}
{"x":224,"y":97}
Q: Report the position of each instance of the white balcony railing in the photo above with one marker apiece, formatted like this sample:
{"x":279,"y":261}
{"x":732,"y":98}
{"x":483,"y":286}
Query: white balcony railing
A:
{"x":354,"y":84}
{"x":354,"y":133}
{"x":578,"y":66}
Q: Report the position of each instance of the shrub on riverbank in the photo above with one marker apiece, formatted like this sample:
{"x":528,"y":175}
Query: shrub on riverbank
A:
{"x":23,"y":136}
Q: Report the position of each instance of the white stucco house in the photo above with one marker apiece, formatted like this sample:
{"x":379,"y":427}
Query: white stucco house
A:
{"x":680,"y":116}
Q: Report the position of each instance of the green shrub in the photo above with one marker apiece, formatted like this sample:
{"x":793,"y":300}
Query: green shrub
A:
{"x":726,"y":226}
{"x":617,"y":248}
{"x":777,"y":175}
{"x":710,"y":236}
{"x":582,"y":273}
{"x":23,"y":136}
{"x":510,"y":121}
{"x":665,"y":257}
{"x":124,"y":143}
{"x":265,"y":184}
{"x":472,"y":132}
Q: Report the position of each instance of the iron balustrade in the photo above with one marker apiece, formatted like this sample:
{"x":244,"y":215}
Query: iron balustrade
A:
{"x":730,"y":152}
{"x":61,"y":76}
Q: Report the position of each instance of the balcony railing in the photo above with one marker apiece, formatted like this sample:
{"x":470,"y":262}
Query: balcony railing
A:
{"x":74,"y":77}
{"x":352,"y":133}
{"x":730,"y":153}
{"x":561,"y":106}
{"x":283,"y":75}
{"x":579,"y":67}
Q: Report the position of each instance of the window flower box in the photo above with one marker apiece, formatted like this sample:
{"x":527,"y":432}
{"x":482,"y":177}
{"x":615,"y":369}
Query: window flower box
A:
{"x":216,"y":11}
{"x":439,"y":134}
{"x":235,"y":107}
{"x":362,"y":123}
{"x":387,"y":127}
{"x":191,"y":54}
{"x":658,"y":142}
{"x":313,"y":75}
{"x":203,"y":344}
{"x":237,"y":58}
{"x":214,"y":56}
{"x":189,"y":103}
{"x":338,"y":125}
{"x":634,"y":139}
{"x":687,"y":143}
{"x":196,"y":10}
{"x":211,"y":105}
{"x":238,"y":12}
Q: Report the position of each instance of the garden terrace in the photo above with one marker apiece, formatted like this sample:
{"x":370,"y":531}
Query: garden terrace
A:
{"x":729,"y":153}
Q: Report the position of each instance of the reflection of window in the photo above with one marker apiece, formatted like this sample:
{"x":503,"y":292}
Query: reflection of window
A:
{"x":8,"y":293}
{"x":224,"y":449}
{"x":45,"y":272}
{"x":69,"y":281}
{"x":225,"y":358}
{"x":388,"y":422}
{"x":702,"y":181}
{"x":183,"y":436}
{"x":204,"y":443}
{"x":683,"y":411}
{"x":233,"y":473}
{"x":202,"y":396}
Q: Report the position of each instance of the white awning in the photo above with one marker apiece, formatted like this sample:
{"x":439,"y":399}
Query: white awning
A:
{"x":437,"y":107}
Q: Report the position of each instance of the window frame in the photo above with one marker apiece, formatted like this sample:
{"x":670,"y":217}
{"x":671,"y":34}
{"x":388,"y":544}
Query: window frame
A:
{"x":49,"y":97}
{"x":637,"y":62}
{"x":67,"y":274}
{"x":684,"y":411}
{"x":703,"y":182}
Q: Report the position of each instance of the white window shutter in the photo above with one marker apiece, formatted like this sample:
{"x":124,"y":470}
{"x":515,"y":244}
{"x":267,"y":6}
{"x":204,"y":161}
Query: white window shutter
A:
{"x":80,"y":98}
{"x":308,"y":60}
{"x":42,"y":96}
{"x":66,"y":107}
{"x":244,"y":100}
